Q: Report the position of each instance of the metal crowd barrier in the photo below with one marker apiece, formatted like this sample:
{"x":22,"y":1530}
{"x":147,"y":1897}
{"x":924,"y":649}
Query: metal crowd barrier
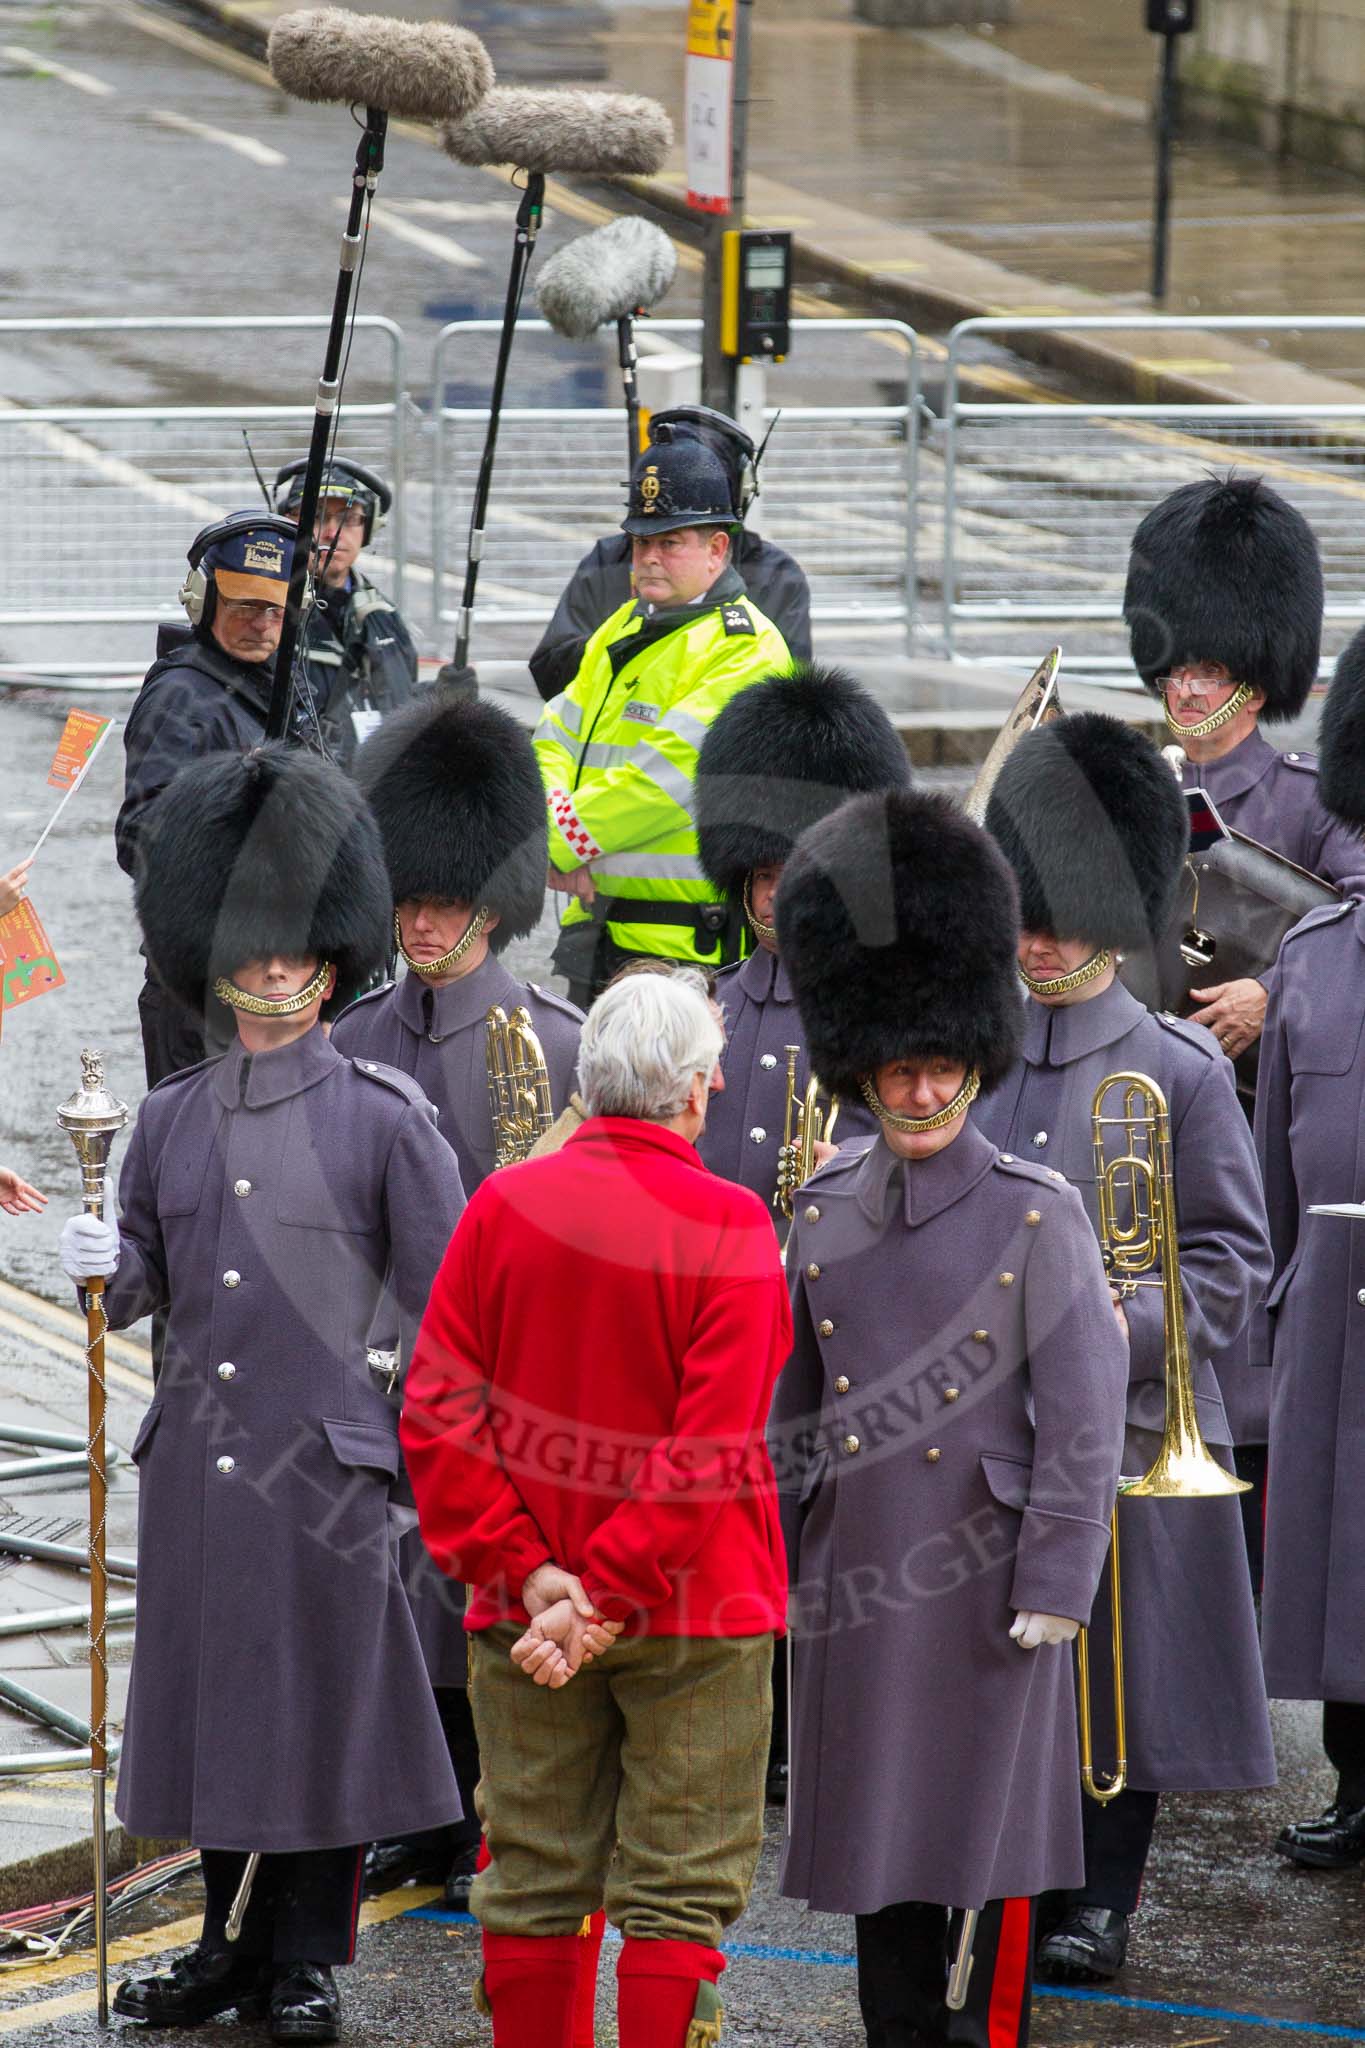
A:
{"x":1040,"y":500}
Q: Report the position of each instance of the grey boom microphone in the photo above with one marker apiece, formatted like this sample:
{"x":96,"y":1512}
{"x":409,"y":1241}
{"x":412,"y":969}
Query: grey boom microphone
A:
{"x":609,"y":134}
{"x":424,"y":69}
{"x":622,"y":268}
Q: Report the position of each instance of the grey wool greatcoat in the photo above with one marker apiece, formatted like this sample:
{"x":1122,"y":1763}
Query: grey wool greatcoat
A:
{"x":278,"y":1699}
{"x":744,"y":1123}
{"x":437,"y":1035}
{"x":1310,"y":1135}
{"x":1197,"y":1716}
{"x":946,"y":1437}
{"x":1273,"y":797}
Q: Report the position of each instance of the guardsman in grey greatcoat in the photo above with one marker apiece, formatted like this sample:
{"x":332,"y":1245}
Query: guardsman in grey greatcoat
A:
{"x":1310,"y":1113}
{"x":1090,"y":819}
{"x":1224,"y":608}
{"x":271,"y":1199}
{"x":457,"y":793}
{"x":781,"y":755}
{"x":947,"y":1436}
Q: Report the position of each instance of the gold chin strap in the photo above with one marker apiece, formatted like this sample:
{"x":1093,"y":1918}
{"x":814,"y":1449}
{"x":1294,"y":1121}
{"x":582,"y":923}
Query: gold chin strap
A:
{"x":272,"y":1006}
{"x":1239,"y":698}
{"x":963,"y":1100}
{"x":477,"y":924}
{"x":1062,"y":984}
{"x":756,"y":924}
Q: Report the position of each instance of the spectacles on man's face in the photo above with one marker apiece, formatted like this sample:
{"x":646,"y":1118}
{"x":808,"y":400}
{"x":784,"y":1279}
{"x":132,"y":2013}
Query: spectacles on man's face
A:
{"x":1193,"y":685}
{"x":253,"y":608}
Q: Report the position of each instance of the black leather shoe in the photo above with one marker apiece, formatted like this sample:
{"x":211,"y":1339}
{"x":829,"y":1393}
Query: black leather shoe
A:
{"x":776,"y":1788}
{"x":458,"y":1883}
{"x":305,"y":2004}
{"x":1090,"y":1941}
{"x":388,"y":1864}
{"x":1334,"y":1841}
{"x":197,"y":1987}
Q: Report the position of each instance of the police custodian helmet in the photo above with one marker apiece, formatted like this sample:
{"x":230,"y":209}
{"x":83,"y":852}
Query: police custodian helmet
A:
{"x":680,"y":483}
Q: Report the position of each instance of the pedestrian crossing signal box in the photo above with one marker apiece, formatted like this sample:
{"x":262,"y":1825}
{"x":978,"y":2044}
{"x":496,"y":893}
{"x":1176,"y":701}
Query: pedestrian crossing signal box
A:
{"x":756,"y":295}
{"x":1171,"y":17}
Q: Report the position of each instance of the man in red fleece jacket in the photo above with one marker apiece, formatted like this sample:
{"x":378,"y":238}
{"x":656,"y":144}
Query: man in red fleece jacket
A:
{"x":583,"y":1424}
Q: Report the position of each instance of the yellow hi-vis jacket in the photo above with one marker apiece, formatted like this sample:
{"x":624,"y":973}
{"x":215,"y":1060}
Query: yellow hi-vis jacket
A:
{"x":618,"y":756}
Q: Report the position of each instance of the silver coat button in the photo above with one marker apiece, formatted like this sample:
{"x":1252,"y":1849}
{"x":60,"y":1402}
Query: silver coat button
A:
{"x":812,"y":1214}
{"x":851,"y":1446}
{"x":1040,"y":1139}
{"x":932,"y":1457}
{"x":812,"y":1271}
{"x":241,"y":1187}
{"x":841,"y":1385}
{"x":226,"y":1465}
{"x":227,"y":1370}
{"x":1007,"y":1159}
{"x":768,"y":1059}
{"x":758,"y":1136}
{"x":1361,"y":1297}
{"x":232,"y":1278}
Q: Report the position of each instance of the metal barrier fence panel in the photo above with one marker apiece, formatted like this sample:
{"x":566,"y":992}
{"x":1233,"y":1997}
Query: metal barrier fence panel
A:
{"x":838,"y":487}
{"x":1041,"y":500}
{"x":104,"y":497}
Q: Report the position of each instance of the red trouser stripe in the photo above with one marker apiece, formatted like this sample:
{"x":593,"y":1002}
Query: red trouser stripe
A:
{"x":355,"y":1897}
{"x":1010,"y":1981}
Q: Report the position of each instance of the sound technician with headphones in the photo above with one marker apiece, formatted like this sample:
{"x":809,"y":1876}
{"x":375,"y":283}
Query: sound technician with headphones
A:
{"x":206,"y":693}
{"x":359,"y":658}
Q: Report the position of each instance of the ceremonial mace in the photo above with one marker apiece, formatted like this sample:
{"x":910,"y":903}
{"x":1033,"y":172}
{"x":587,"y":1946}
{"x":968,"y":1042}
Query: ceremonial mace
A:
{"x":92,"y":1119}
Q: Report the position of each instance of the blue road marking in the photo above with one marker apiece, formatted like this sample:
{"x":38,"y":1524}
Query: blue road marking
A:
{"x":831,"y":1958}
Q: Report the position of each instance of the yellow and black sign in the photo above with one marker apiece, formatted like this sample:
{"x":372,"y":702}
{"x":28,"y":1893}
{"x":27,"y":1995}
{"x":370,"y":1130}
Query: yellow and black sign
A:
{"x":711,"y":28}
{"x":756,"y":292}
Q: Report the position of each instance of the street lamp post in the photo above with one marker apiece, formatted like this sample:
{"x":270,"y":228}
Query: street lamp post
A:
{"x":1170,"y":19}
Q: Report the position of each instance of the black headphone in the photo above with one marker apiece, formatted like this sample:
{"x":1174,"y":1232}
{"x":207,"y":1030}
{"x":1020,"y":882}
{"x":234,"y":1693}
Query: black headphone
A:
{"x":198,"y":592}
{"x":380,"y":498}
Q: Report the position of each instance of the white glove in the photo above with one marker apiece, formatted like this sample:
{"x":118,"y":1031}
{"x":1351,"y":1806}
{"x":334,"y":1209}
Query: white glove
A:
{"x":1032,"y":1630}
{"x":88,"y":1246}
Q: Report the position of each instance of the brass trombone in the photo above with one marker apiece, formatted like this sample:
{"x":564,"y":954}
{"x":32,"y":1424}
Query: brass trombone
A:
{"x":1135,"y":1191}
{"x":518,"y":1085}
{"x":803,"y":1129}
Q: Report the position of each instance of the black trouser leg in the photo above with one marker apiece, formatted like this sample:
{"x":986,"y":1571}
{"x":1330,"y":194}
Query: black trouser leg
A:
{"x":172,"y":1036}
{"x":902,"y":1969}
{"x":463,"y":1744}
{"x":303,"y":1907}
{"x":777,"y":1747}
{"x":1000,"y":1989}
{"x":1343,"y":1738}
{"x":904,"y":1954}
{"x":1117,"y":1839}
{"x":1252,"y":1462}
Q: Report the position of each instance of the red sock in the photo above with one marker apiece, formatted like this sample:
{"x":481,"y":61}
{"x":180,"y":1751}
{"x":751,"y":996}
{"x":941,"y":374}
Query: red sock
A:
{"x":530,"y":1983}
{"x":585,"y":2004}
{"x":659,"y":1989}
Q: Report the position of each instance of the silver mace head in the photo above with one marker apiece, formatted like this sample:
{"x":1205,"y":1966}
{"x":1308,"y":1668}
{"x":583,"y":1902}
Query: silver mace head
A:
{"x":92,"y":1118}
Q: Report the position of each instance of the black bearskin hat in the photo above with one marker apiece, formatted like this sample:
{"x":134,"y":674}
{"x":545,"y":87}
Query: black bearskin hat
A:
{"x":899,"y":931}
{"x":245,"y":855}
{"x":1227,"y":570}
{"x":456,"y":788}
{"x":1096,"y":828}
{"x":1341,"y":738}
{"x":782,"y":754}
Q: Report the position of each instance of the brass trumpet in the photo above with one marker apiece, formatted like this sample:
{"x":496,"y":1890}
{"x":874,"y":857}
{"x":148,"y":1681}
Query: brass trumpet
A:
{"x":518,"y":1085}
{"x":803,"y":1129}
{"x":1135,"y":1190}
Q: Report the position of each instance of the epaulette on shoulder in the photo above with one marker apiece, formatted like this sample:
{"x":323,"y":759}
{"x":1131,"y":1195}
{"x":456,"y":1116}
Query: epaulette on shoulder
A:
{"x":1197,"y":1035}
{"x":1302,"y":764}
{"x":556,"y":1002}
{"x":390,"y":1078}
{"x":1028,"y":1169}
{"x":1326,"y":913}
{"x":371,"y":995}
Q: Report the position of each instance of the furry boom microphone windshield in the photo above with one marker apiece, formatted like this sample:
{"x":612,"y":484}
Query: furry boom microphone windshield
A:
{"x":620,"y":269}
{"x":423,"y":69}
{"x":609,"y":134}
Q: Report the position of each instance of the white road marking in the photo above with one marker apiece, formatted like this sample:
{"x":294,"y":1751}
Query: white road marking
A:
{"x":47,"y":67}
{"x":440,"y":246}
{"x":456,"y":209}
{"x":979,"y":55}
{"x":245,"y":145}
{"x":112,"y":468}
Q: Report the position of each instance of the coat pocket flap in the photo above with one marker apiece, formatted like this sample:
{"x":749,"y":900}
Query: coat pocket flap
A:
{"x":364,"y":1443}
{"x":146,"y":1430}
{"x":814,"y":1476}
{"x":1281,"y":1286}
{"x":1009,"y":1479}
